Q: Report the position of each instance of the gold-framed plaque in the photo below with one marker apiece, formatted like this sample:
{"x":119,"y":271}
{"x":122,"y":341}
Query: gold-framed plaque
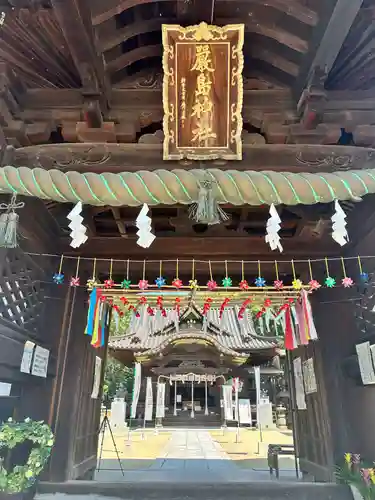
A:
{"x":202,"y":91}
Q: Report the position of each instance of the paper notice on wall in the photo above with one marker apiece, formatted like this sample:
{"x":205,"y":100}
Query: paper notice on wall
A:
{"x":97,"y":377}
{"x":27,"y":357}
{"x":149,"y":401}
{"x":227,"y":401}
{"x":160,"y":401}
{"x":309,"y":376}
{"x":365,"y":361}
{"x":245,"y":411}
{"x":40,"y":362}
{"x":298,"y":382}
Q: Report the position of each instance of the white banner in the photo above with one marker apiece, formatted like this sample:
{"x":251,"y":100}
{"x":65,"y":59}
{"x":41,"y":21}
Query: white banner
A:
{"x":245,"y":411}
{"x":309,"y":376}
{"x":366,"y":365}
{"x":97,"y":377}
{"x":257,"y":389}
{"x":236,"y":389}
{"x":227,"y":402}
{"x":160,"y":401}
{"x":149,"y":401}
{"x":298,"y":382}
{"x":136,"y":390}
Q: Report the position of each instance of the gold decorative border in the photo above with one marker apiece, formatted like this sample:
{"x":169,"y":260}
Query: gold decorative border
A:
{"x":203,"y":33}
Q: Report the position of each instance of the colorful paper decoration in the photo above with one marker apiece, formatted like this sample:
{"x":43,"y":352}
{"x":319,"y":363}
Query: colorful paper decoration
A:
{"x":193,"y":284}
{"x":314,"y":285}
{"x":330,"y":282}
{"x":244,"y":285}
{"x":212,"y":285}
{"x":177,"y":306}
{"x":297,"y":284}
{"x":58,"y":278}
{"x":126,"y":283}
{"x":278,"y":284}
{"x":206,"y":306}
{"x":223,"y":306}
{"x":242,"y":310}
{"x":91,"y":283}
{"x":347,"y":282}
{"x":74,"y":281}
{"x":143,"y":284}
{"x":160,"y":282}
{"x":109,"y":283}
{"x":177,"y":283}
{"x":260,"y":282}
{"x":227,"y":282}
{"x":364,"y":277}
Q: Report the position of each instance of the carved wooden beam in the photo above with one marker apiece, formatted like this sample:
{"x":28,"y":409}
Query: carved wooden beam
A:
{"x":74,"y":17}
{"x":102,"y":12}
{"x":335,"y":23}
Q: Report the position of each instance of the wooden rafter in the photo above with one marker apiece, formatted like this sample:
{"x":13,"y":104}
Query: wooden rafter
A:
{"x":103,"y":11}
{"x":330,"y":34}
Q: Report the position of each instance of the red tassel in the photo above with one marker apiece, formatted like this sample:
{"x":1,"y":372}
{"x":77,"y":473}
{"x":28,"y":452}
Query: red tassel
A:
{"x":289,"y":343}
{"x":223,"y":306}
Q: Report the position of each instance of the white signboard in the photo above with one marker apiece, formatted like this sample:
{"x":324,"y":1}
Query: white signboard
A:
{"x":97,"y":376}
{"x":179,"y":398}
{"x":227,"y":400}
{"x":40,"y":362}
{"x":245,"y":411}
{"x":298,"y":381}
{"x":366,"y":365}
{"x":149,"y":401}
{"x":5,"y":388}
{"x":27,"y":357}
{"x":136,"y":390}
{"x":309,"y":376}
{"x":160,"y":401}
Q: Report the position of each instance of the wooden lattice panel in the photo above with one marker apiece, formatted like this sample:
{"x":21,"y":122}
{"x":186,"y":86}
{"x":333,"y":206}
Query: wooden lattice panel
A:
{"x":21,"y":296}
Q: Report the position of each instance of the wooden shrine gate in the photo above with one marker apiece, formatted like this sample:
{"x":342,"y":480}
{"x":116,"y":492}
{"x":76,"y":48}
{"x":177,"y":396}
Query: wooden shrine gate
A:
{"x":34,"y":309}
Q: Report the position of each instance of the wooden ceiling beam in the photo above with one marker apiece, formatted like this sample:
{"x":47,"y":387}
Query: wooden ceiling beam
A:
{"x":74,"y":18}
{"x":119,"y":222}
{"x":336,"y":20}
{"x":102,"y":11}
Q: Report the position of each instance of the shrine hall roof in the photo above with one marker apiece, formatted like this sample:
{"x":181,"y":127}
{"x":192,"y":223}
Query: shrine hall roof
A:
{"x":148,"y":332}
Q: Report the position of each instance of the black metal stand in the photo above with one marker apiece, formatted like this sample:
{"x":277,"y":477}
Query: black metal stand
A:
{"x":103,"y":426}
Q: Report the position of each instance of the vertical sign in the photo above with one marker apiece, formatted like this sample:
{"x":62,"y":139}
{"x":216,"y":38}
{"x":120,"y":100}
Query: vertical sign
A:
{"x":97,"y":376}
{"x":27,"y":356}
{"x":366,"y":365}
{"x":136,"y":390}
{"x":227,"y":402}
{"x":40,"y":362}
{"x":202,"y":91}
{"x":149,"y":401}
{"x":298,"y":382}
{"x":309,"y":378}
{"x":257,"y":389}
{"x":160,"y":401}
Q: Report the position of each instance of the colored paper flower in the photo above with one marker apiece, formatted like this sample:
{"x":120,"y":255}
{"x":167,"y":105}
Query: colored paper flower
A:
{"x":244,"y":285}
{"x":227,"y":282}
{"x":364,"y":277}
{"x":267,"y":302}
{"x":348,"y":458}
{"x":109,"y":283}
{"x":160,"y":281}
{"x":126,"y":284}
{"x":74,"y":281}
{"x":143,"y":284}
{"x":193,"y":284}
{"x":212,"y":285}
{"x":330,"y":282}
{"x":297,"y":284}
{"x":347,"y":282}
{"x":278,"y":284}
{"x":314,"y":285}
{"x":58,"y":278}
{"x":91,"y":283}
{"x":260,"y":282}
{"x":177,"y":283}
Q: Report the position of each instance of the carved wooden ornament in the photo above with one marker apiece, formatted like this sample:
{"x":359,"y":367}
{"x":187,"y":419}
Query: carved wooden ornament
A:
{"x":202,"y":92}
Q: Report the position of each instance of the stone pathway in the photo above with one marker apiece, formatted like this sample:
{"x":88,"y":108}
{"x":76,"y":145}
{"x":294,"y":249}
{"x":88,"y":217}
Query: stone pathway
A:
{"x":191,"y":455}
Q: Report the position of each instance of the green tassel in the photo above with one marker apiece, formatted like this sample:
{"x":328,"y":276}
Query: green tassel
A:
{"x":10,"y":236}
{"x":207,"y":210}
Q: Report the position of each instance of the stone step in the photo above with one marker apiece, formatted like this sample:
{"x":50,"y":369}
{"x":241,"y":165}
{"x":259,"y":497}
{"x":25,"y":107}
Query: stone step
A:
{"x":256,"y":490}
